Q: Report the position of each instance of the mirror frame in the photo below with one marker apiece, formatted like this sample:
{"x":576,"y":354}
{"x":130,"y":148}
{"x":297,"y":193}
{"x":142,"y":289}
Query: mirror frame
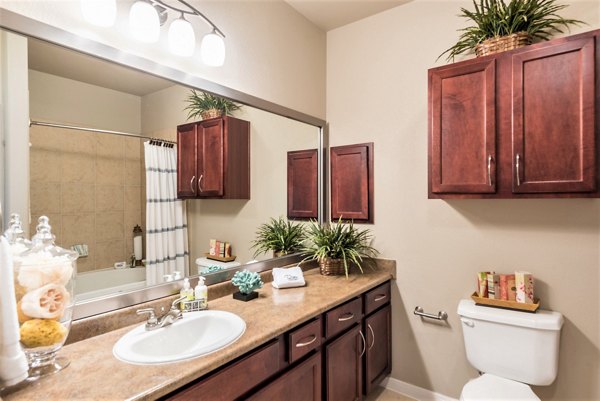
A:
{"x":28,"y":27}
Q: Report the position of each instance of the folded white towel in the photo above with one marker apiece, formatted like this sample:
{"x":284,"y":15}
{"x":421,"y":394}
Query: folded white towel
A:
{"x":287,"y":278}
{"x":13,"y":363}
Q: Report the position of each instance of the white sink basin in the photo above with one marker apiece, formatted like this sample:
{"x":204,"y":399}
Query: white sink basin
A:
{"x":197,"y":334}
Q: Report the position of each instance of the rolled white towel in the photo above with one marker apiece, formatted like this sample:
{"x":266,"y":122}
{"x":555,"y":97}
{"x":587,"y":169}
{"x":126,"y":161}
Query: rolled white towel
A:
{"x":287,"y":278}
{"x":13,"y":363}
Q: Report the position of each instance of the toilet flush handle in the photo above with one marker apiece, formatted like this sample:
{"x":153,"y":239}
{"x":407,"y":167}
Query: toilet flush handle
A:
{"x":467,"y":322}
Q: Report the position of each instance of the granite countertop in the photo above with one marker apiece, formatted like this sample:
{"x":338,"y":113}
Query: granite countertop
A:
{"x":95,"y":374}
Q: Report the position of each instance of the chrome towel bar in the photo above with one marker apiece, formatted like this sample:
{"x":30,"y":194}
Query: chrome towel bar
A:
{"x":441,"y":315}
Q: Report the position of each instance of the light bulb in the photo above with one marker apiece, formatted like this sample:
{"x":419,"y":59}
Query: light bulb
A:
{"x":212,"y":50}
{"x":143,"y":22}
{"x":99,"y":12}
{"x":182,"y":40}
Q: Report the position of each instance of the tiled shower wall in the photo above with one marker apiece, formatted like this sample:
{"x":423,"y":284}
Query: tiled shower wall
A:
{"x":90,"y":185}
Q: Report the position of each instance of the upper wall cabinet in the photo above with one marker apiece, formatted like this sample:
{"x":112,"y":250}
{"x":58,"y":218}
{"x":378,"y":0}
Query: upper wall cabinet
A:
{"x":213,"y":159}
{"x":302,"y":184}
{"x":352,"y":182}
{"x":519,"y":124}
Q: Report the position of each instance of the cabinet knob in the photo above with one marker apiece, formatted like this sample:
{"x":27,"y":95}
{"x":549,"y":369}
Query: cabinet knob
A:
{"x":364,"y":343}
{"x":347,"y":316}
{"x":309,"y":342}
{"x":200,"y":182}
{"x":372,"y":335}
{"x":517,"y":165}
{"x":192,"y":184}
{"x":489,"y":169}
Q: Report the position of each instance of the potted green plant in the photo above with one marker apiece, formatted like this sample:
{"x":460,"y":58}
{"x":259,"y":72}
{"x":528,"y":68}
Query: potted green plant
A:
{"x":338,"y":246}
{"x":500,"y":26}
{"x":280,"y":236}
{"x":207,"y":105}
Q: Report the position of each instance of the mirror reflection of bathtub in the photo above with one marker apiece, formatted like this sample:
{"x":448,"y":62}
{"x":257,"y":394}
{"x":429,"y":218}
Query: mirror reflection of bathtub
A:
{"x":103,"y":282}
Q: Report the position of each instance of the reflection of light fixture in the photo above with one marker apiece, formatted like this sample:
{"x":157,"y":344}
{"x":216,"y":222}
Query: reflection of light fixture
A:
{"x":147,"y":16}
{"x":99,"y":12}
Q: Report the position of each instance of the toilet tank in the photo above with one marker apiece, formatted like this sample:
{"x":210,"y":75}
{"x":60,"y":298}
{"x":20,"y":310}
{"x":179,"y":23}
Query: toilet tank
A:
{"x":515,"y":345}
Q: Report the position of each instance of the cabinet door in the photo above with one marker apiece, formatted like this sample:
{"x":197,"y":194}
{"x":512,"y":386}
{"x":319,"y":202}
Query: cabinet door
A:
{"x":553,"y":118}
{"x":378,"y":357}
{"x":343,"y":375}
{"x":302,"y":184}
{"x":186,"y":161}
{"x":462,"y":128}
{"x":302,"y":383}
{"x":211,"y":148}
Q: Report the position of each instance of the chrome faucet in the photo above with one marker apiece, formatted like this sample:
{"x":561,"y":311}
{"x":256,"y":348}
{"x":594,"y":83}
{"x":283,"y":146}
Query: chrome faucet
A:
{"x":172,"y":315}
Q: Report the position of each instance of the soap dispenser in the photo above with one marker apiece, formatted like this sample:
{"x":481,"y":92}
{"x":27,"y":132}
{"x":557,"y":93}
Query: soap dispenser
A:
{"x":186,"y":292}
{"x":201,"y":294}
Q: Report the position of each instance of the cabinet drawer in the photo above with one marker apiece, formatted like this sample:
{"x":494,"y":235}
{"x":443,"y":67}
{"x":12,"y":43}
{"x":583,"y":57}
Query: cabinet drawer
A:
{"x":343,"y":317}
{"x":235,"y":380}
{"x":304,"y":339}
{"x":377,"y":297}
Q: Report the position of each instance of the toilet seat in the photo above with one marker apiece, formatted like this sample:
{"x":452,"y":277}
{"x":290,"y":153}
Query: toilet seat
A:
{"x":488,"y":387}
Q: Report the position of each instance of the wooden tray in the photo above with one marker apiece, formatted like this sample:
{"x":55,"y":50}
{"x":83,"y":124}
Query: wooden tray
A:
{"x":220,"y":258}
{"x":500,"y":303}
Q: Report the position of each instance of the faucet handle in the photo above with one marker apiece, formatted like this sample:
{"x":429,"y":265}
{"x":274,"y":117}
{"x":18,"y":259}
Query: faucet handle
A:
{"x":175,"y":303}
{"x":152,"y":320}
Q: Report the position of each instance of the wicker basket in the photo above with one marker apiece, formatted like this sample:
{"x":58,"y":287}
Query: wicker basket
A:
{"x":211,"y":113}
{"x":332,"y":267}
{"x":502,"y":44}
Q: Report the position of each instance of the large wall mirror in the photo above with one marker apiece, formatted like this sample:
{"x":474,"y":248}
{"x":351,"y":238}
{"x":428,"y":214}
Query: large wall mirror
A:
{"x":92,"y":185}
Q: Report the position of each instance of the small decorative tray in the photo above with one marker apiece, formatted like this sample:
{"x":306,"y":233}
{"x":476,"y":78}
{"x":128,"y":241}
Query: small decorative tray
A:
{"x":220,"y":258}
{"x":501,"y":303}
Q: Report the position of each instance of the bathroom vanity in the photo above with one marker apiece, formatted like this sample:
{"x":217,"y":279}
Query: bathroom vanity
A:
{"x":329,"y":340}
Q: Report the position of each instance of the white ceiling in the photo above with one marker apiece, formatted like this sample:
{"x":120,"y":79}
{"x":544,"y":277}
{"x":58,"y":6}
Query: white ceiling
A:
{"x":331,"y":14}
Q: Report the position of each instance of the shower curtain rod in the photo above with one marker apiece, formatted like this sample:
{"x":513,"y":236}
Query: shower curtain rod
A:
{"x":101,"y":131}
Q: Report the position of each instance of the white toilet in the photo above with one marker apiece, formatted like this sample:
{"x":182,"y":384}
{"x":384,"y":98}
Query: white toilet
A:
{"x":511,"y":349}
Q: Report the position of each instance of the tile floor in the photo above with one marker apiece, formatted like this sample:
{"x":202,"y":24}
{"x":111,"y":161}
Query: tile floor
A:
{"x":382,"y":394}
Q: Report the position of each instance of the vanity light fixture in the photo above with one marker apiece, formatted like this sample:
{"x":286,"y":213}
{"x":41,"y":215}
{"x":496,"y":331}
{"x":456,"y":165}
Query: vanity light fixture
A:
{"x":147,"y":16}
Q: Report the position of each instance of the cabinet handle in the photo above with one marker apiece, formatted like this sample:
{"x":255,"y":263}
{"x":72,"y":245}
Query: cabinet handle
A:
{"x":517,"y":164}
{"x":489,"y":168}
{"x":200,"y":182}
{"x":372,"y":335}
{"x":343,"y":319}
{"x":364,"y":342}
{"x":304,"y":344}
{"x":192,"y":184}
{"x":380,"y":297}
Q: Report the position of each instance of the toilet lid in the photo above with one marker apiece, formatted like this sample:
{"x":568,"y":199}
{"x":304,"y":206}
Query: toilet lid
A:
{"x":490,"y":387}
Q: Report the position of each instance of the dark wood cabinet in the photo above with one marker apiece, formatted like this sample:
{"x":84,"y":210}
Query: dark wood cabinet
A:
{"x":463,"y":128}
{"x":519,"y":124}
{"x":302,"y":184}
{"x":378,"y":356}
{"x":343,"y":366}
{"x":213,"y":158}
{"x":352,"y":186}
{"x":301,"y":383}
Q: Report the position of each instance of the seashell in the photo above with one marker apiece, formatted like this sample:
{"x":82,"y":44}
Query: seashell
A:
{"x":47,"y":302}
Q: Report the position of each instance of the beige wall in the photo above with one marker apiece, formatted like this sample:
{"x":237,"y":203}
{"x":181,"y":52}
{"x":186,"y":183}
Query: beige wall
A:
{"x":88,"y":184}
{"x":236,"y":221}
{"x":272,"y":51}
{"x":378,"y":67}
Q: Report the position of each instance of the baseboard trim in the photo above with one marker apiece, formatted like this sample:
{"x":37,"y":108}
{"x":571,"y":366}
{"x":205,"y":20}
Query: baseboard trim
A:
{"x":412,"y":391}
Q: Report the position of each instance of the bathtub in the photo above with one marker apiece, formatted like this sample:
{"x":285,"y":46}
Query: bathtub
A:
{"x":108,"y":281}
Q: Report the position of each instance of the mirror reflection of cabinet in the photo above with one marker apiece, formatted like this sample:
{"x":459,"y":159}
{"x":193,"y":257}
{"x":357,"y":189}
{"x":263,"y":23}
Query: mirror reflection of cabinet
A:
{"x":213,"y":159}
{"x":302,"y":184}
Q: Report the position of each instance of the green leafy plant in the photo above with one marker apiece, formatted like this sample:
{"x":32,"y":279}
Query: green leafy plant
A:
{"x":202,"y":102}
{"x":496,"y":18}
{"x":280,"y":236}
{"x":339,"y":241}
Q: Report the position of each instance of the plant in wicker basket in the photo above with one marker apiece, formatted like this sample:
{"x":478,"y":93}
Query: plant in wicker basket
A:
{"x":280,"y":236}
{"x":500,"y":26}
{"x":206,"y":105}
{"x":337,"y":246}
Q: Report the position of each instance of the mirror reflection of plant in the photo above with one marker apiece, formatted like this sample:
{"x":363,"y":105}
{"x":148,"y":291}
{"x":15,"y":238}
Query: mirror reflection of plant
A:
{"x":280,"y":236}
{"x":495,"y":18}
{"x":200,"y":102}
{"x":339,"y":241}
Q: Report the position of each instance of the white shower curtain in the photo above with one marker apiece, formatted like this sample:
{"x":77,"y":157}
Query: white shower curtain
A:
{"x":166,"y":220}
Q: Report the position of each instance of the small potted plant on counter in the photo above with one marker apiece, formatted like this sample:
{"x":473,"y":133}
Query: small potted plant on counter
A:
{"x":207,"y":106}
{"x":337,"y":246}
{"x":500,"y":26}
{"x":280,"y":236}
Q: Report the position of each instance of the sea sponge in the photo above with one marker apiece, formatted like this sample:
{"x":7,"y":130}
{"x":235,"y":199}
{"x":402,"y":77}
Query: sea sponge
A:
{"x":41,"y":333}
{"x":47,"y":302}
